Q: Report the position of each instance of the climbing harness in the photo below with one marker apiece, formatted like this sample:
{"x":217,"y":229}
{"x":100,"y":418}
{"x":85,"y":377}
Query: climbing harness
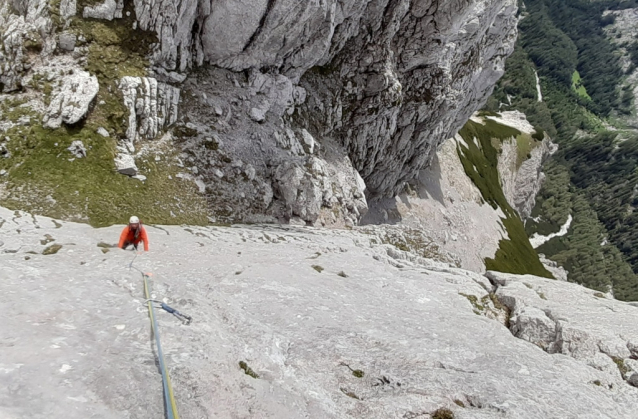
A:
{"x":169,"y":399}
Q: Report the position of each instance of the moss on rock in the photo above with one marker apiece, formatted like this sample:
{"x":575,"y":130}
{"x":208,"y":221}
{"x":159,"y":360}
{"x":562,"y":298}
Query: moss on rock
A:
{"x":443,"y":413}
{"x":247,"y":370}
{"x":52,"y":250}
{"x":620,"y":363}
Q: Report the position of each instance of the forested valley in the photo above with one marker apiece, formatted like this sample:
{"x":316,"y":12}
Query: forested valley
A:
{"x":587,"y":98}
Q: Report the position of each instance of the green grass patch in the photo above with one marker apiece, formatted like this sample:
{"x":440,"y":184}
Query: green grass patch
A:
{"x":443,"y":413}
{"x":14,"y":108}
{"x":356,"y":373}
{"x":473,"y":299}
{"x":620,"y":363}
{"x":480,"y":161}
{"x":577,"y":85}
{"x":539,"y":134}
{"x":524,"y":146}
{"x":44,"y":178}
{"x":115,"y":50}
{"x":52,"y":250}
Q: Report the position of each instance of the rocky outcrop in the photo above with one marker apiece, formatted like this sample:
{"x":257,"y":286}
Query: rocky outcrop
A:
{"x":24,"y":32}
{"x":522,"y":176}
{"x":554,"y":268}
{"x":109,"y":10}
{"x":530,"y":178}
{"x":152,"y":107}
{"x":125,"y":164}
{"x":77,"y":149}
{"x":329,"y":323}
{"x":305,"y":190}
{"x":71,"y":99}
{"x":563,"y":318}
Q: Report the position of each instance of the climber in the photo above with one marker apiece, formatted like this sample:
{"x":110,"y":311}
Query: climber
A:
{"x":133,"y":234}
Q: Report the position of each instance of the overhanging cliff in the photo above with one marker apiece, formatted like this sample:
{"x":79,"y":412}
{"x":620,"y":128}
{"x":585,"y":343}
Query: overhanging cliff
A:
{"x":282,"y":110}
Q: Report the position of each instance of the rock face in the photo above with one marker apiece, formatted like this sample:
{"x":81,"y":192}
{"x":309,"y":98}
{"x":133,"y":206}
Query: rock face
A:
{"x":152,"y":106}
{"x":22,"y":35}
{"x":383,"y":82}
{"x":256,"y":162}
{"x":331,"y":325}
{"x":366,"y":90}
{"x":108,"y":10}
{"x":522,"y":180}
{"x":389,"y":102}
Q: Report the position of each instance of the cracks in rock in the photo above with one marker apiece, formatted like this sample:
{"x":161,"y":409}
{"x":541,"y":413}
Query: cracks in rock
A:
{"x":571,"y":342}
{"x":160,"y":228}
{"x":125,"y":285}
{"x":442,"y":366}
{"x":390,"y":13}
{"x":260,"y":27}
{"x":476,"y":403}
{"x":431,"y":12}
{"x":196,"y":38}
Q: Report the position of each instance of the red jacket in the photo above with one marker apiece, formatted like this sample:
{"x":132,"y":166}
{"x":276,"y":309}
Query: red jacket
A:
{"x":128,"y":235}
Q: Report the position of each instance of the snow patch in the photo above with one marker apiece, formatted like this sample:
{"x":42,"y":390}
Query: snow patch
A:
{"x":538,"y":87}
{"x":514,"y":119}
{"x":537,"y":240}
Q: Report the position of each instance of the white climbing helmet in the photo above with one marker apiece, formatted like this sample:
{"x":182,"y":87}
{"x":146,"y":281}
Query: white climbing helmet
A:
{"x":134,"y":220}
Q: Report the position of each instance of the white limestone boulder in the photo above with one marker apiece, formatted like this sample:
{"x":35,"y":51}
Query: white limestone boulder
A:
{"x":71,"y":99}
